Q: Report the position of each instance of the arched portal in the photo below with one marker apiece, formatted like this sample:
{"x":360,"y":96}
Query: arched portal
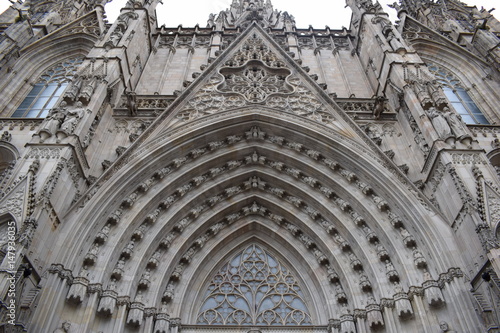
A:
{"x":194,"y":198}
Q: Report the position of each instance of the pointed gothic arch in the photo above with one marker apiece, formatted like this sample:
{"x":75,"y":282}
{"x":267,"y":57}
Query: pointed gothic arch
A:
{"x":253,"y":287}
{"x":318,"y":190}
{"x":437,"y":50}
{"x":36,"y":59}
{"x":256,"y":231}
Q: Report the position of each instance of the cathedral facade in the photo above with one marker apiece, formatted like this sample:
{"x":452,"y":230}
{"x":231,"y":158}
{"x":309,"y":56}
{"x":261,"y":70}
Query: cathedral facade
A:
{"x":249,"y":175}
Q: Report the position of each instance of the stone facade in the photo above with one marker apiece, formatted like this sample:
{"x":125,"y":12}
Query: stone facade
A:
{"x":249,"y":176}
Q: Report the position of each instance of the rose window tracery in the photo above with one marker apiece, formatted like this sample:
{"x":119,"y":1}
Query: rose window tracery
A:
{"x":254,"y":288}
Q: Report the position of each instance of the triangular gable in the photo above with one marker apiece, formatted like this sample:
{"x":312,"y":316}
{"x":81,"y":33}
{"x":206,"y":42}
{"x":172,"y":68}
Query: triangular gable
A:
{"x":15,"y":201}
{"x":415,"y":30}
{"x":254,"y":71}
{"x":87,"y":24}
{"x":492,"y":206}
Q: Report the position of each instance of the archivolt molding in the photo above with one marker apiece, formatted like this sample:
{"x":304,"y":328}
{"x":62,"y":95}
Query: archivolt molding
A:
{"x":185,"y":187}
{"x":346,"y":146}
{"x":252,"y":183}
{"x":212,"y":146}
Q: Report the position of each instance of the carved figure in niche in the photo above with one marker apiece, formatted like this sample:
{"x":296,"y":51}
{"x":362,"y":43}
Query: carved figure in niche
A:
{"x":371,"y":300}
{"x":73,"y":90}
{"x":112,"y":285}
{"x":83,"y":272}
{"x":389,"y":267}
{"x":53,"y":122}
{"x":444,"y":327}
{"x":87,"y":90}
{"x":169,"y":292}
{"x":146,"y":275}
{"x":64,"y":327}
{"x":394,"y":42}
{"x":95,"y":249}
{"x":455,"y":124}
{"x":131,"y":103}
{"x":130,"y":246}
{"x":120,"y":264}
{"x":72,"y":118}
{"x":440,"y":123}
{"x":116,"y":36}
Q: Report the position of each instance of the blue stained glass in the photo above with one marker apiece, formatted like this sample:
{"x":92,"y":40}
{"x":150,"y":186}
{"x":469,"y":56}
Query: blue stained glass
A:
{"x":45,"y":94}
{"x":458,"y":96}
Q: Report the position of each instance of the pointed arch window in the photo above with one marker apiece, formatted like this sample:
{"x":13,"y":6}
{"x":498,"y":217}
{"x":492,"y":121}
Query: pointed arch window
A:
{"x":254,"y":288}
{"x":47,"y":91}
{"x":458,"y":96}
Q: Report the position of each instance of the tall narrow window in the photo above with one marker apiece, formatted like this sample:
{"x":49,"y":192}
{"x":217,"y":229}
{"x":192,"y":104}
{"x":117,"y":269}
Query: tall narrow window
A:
{"x":458,"y":97}
{"x":254,"y":288}
{"x":47,"y":91}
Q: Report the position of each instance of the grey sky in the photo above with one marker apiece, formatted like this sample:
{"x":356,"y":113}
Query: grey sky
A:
{"x":317,"y":13}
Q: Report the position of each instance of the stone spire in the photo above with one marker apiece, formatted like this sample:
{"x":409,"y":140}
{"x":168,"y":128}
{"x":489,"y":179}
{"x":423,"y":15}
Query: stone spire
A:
{"x":243,"y":12}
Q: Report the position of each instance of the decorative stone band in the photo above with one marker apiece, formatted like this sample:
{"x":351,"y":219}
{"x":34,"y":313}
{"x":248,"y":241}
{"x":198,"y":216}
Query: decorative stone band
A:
{"x":21,"y":124}
{"x":132,"y":153}
{"x":109,"y":299}
{"x":266,"y":329}
{"x":63,"y":273}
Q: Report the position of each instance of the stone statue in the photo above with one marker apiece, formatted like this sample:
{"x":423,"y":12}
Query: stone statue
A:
{"x":116,"y":36}
{"x":64,"y":327}
{"x":73,"y":90}
{"x":455,"y":124}
{"x":87,"y":90}
{"x":444,"y":327}
{"x":440,"y":123}
{"x":53,"y":121}
{"x":394,"y":42}
{"x":72,"y":118}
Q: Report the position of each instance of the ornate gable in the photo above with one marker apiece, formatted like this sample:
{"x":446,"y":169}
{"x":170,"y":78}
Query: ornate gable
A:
{"x":255,"y":72}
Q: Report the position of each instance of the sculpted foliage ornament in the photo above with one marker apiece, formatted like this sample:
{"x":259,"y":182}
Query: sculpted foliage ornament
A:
{"x":255,"y":74}
{"x":255,"y":81}
{"x":254,"y":288}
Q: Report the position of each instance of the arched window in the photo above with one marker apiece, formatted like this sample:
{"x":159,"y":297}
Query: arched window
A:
{"x":254,"y":288}
{"x":458,"y":96}
{"x":47,"y":91}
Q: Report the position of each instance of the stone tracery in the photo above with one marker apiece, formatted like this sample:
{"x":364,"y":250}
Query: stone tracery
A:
{"x":254,"y":288}
{"x":256,"y":82}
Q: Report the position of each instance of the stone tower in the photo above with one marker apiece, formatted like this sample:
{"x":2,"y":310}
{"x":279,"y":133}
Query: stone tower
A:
{"x":250,"y":175}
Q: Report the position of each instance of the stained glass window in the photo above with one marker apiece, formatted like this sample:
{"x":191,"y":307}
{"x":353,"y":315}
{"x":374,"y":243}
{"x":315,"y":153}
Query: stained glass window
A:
{"x":458,"y":96}
{"x":254,"y":288}
{"x":47,"y":91}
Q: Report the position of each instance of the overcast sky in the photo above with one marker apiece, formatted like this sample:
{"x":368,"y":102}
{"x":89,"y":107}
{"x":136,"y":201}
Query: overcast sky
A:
{"x":318,"y":13}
